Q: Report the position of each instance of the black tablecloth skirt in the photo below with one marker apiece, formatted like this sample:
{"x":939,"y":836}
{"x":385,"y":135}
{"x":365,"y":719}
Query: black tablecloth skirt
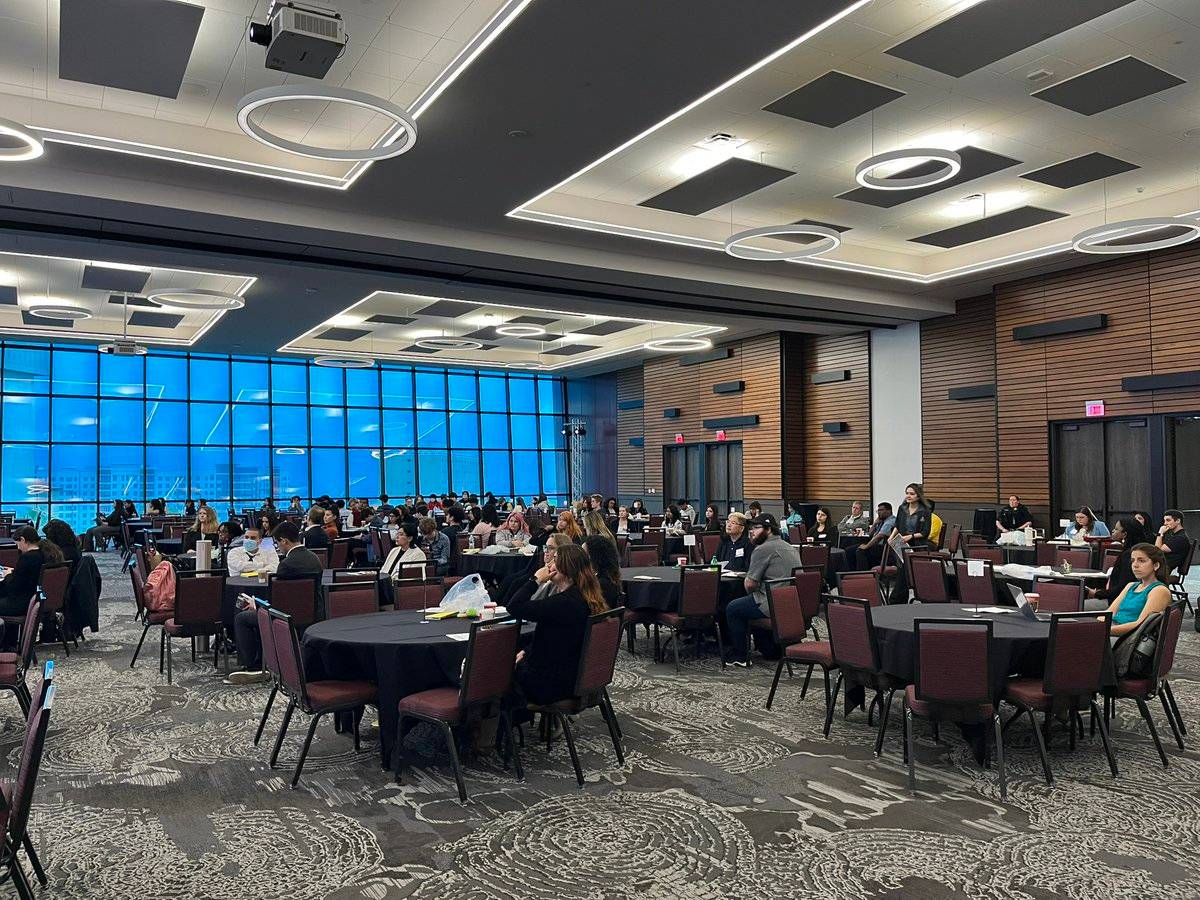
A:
{"x":501,"y":565}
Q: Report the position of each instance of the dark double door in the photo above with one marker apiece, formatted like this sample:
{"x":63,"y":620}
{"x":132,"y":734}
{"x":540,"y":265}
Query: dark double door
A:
{"x":703,"y":474}
{"x":1105,"y":465}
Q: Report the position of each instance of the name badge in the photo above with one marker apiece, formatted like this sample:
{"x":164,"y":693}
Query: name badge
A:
{"x":739,"y":552}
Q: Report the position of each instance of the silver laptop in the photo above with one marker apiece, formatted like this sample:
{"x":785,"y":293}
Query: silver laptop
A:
{"x":1023,"y":605}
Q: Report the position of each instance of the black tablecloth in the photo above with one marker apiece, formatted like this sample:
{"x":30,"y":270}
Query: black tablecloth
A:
{"x":236,"y":584}
{"x":662,"y":595}
{"x":169,"y":546}
{"x":499,"y":564}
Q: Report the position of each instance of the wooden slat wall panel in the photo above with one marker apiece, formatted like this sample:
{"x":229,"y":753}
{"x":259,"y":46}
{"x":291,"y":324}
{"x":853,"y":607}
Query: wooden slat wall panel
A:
{"x":631,"y":461}
{"x":959,"y":436}
{"x":1174,"y":277}
{"x":837,"y":465}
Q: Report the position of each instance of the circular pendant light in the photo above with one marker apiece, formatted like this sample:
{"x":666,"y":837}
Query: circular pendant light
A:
{"x":448,"y":343}
{"x":523,"y":365}
{"x":32,"y":144}
{"x":828,"y":239}
{"x":1100,"y":239}
{"x":951,"y":166}
{"x":289,"y":451}
{"x":677,"y":345}
{"x":344,"y":362}
{"x":59,"y":312}
{"x":285,"y":93}
{"x":521,"y":331}
{"x":195,"y":298}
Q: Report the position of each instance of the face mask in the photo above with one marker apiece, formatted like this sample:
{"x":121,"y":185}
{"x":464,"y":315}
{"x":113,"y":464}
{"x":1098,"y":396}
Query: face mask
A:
{"x":250,"y":545}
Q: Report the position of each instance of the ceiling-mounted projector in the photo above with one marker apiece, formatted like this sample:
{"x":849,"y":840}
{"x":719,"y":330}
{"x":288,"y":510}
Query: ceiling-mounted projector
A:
{"x":123,"y":347}
{"x":301,"y":39}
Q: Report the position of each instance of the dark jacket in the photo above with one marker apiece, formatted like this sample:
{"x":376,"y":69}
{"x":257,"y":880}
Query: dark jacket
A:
{"x":299,"y":563}
{"x":551,"y":664}
{"x":918,"y":522}
{"x":1121,"y":575}
{"x":727,"y":552}
{"x":115,"y":518}
{"x":315,"y":536}
{"x":19,"y":585}
{"x":1014,"y":518}
{"x":83,"y":599}
{"x":829,"y":536}
{"x":611,"y":591}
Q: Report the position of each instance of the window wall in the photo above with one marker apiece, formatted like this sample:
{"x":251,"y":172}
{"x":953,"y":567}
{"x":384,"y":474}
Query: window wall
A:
{"x":80,"y":428}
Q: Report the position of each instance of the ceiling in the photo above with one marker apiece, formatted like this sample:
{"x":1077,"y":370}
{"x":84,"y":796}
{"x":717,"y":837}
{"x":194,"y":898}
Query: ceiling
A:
{"x":556,"y":169}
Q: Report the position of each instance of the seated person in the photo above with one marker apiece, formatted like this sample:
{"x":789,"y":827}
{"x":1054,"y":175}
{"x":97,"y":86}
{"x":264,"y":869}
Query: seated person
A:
{"x":559,"y":598}
{"x":673,"y":524}
{"x":205,"y":528}
{"x":513,"y":533}
{"x":754,"y":509}
{"x":1084,"y":525}
{"x":856,"y":521}
{"x":638,"y":510}
{"x":405,"y":551}
{"x":793,"y":514}
{"x":1014,"y":517}
{"x":824,"y":532}
{"x":870,"y":553}
{"x":1130,"y":532}
{"x":229,"y":535}
{"x":158,"y":592}
{"x":735,"y":547}
{"x":568,"y":524}
{"x":106,"y":527}
{"x":1144,"y":596}
{"x":332,"y":524}
{"x":773,"y":558}
{"x":435,"y":544}
{"x":20,"y":583}
{"x":455,"y":525}
{"x":62,"y":536}
{"x":1172,"y":540}
{"x":713,"y":523}
{"x":687,"y":512}
{"x":603,"y":554}
{"x":622,"y":526}
{"x":315,"y":535}
{"x":252,"y":556}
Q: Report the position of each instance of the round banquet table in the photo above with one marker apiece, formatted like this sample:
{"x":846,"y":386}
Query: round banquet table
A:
{"x":501,"y":565}
{"x":401,"y":652}
{"x":169,"y":546}
{"x":658,"y":589}
{"x":237,"y":584}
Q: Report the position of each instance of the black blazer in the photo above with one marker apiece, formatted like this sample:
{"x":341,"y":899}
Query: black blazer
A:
{"x":300,"y":563}
{"x":727,"y":553}
{"x":914,"y":523}
{"x":551,"y":664}
{"x":828,"y":536}
{"x":316,"y":536}
{"x":1014,"y":518}
{"x":19,"y":585}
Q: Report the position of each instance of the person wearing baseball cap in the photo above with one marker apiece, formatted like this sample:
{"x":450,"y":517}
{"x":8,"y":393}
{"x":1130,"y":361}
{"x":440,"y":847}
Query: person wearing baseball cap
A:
{"x":735,"y":547}
{"x":773,"y":558}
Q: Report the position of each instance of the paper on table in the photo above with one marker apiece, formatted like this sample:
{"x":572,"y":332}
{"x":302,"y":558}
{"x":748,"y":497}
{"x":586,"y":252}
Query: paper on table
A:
{"x":996,"y":609}
{"x":689,"y":540}
{"x":432,"y":609}
{"x":459,"y":636}
{"x":646,"y":578}
{"x":975,"y":568}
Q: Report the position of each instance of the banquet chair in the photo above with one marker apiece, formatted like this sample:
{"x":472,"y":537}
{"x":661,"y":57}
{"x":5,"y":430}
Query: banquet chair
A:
{"x":355,"y":598}
{"x":710,"y":543}
{"x":1079,"y":558}
{"x":699,"y":606}
{"x":1142,"y":690}
{"x":854,"y":647}
{"x":197,"y":613}
{"x":860,"y":586}
{"x":994,"y":555}
{"x":376,"y":545}
{"x":270,"y":660}
{"x":656,"y":521}
{"x":482,"y":691}
{"x":1044,"y":553}
{"x":887,"y":569}
{"x":339,"y":554}
{"x":322,"y":553}
{"x":951,"y":683}
{"x":297,"y":597}
{"x":141,"y":564}
{"x":927,"y":575}
{"x":790,"y":622}
{"x":1175,"y":582}
{"x":797,"y":534}
{"x":385,"y":543}
{"x":810,"y":592}
{"x":417,"y":594}
{"x":644,"y":557}
{"x":18,"y":794}
{"x":9,"y":557}
{"x":622,"y":544}
{"x":953,"y":540}
{"x":654,"y":537}
{"x":147,"y":617}
{"x":597,"y":661}
{"x":1077,"y":656}
{"x":14,"y":666}
{"x":816,"y":555}
{"x":54,"y":584}
{"x":1110,"y":557}
{"x":313,"y":698}
{"x":1058,"y":596}
{"x":975,"y":590}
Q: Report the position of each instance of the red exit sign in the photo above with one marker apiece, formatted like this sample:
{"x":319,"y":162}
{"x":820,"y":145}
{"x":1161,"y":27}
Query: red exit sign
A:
{"x":679,"y":438}
{"x":720,"y":435}
{"x":1093,"y":408}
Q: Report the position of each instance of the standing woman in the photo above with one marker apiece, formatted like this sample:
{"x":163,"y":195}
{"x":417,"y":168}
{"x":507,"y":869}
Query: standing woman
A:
{"x":913,"y":519}
{"x":824,"y":532}
{"x":21,"y":582}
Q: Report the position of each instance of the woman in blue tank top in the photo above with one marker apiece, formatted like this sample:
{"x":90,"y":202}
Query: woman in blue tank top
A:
{"x":1142,"y":597}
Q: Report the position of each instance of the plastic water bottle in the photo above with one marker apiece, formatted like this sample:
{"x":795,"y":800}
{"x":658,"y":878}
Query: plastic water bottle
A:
{"x":471,"y":541}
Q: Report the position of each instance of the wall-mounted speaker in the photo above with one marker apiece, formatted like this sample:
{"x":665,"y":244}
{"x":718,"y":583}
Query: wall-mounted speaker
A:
{"x":834,"y":427}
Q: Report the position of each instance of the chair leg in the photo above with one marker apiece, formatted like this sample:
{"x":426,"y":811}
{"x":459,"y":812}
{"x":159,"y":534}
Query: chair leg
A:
{"x":608,"y":702}
{"x":909,"y":749}
{"x":1166,"y":687}
{"x":1145,"y":711}
{"x":287,"y":718}
{"x":452,"y":745}
{"x":629,"y":635}
{"x":1000,"y":757}
{"x":830,"y":702}
{"x":20,"y":882}
{"x":22,"y":700}
{"x":193,"y":649}
{"x":1097,"y":718}
{"x":506,"y":724}
{"x":168,"y":644}
{"x":720,"y":642}
{"x":138,"y":649}
{"x":1041,"y":745}
{"x":266,"y":713}
{"x":566,"y":727}
{"x":675,"y":646}
{"x":354,"y":720}
{"x":398,"y":757}
{"x":162,"y":652}
{"x":312,"y":729}
{"x":33,"y":860}
{"x":1071,"y":729}
{"x":657,"y":649}
{"x":775,"y":684}
{"x":1162,"y":697}
{"x":885,"y":710}
{"x":610,"y":720}
{"x":804,"y":687}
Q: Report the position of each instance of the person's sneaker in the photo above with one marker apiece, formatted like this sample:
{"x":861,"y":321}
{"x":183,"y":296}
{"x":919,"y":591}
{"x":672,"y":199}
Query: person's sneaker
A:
{"x":734,"y":660}
{"x":248,"y":677}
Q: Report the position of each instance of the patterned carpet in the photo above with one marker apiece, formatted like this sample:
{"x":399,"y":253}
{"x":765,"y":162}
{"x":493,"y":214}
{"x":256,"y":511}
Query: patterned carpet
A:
{"x":150,"y":791}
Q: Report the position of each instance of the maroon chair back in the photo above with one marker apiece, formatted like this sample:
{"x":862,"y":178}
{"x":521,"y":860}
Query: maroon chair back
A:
{"x":198,"y":598}
{"x":488,"y":672}
{"x":417,"y":594}
{"x":622,"y":544}
{"x":787,"y":615}
{"x":31,"y":761}
{"x":860,"y":586}
{"x":927,"y":576}
{"x":976,"y":590}
{"x":654,"y":537}
{"x":1111,"y":555}
{"x":1044,"y":553}
{"x":1059,"y":596}
{"x":814,"y":555}
{"x":415,"y":571}
{"x":710,"y":543}
{"x":377,"y":545}
{"x":358,"y":598}
{"x":1078,"y":557}
{"x":287,"y":653}
{"x":1168,"y":637}
{"x":599,"y":658}
{"x":955,"y":538}
{"x":1077,"y":653}
{"x":699,"y":592}
{"x":139,"y":595}
{"x":797,"y":533}
{"x":385,"y":543}
{"x":5,"y":530}
{"x":54,"y":583}
{"x":33,"y":612}
{"x":143,"y":567}
{"x":462,"y":541}
{"x":343,"y":576}
{"x":339,"y":554}
{"x":262,"y":612}
{"x":295,"y":597}
{"x":9,"y":556}
{"x":656,"y":521}
{"x":994,"y":555}
{"x":808,"y":583}
{"x":852,"y":634}
{"x":322,"y":553}
{"x":951,"y":662}
{"x":640,"y":557}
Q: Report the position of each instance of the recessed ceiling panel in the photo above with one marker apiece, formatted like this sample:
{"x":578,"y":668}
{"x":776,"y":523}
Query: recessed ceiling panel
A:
{"x":990,"y":31}
{"x":1080,"y":170}
{"x":447,"y":309}
{"x":810,"y":238}
{"x":343,"y":334}
{"x":571,"y":349}
{"x":39,"y":322}
{"x":975,"y":164}
{"x":602,"y":328}
{"x":102,"y":278}
{"x":719,"y":185}
{"x":992,"y":226}
{"x":415,"y":349}
{"x":384,"y":319}
{"x":155,"y":319}
{"x":833,"y":99}
{"x":1121,"y":81}
{"x":530,"y":320}
{"x":119,"y":300}
{"x":135,"y":45}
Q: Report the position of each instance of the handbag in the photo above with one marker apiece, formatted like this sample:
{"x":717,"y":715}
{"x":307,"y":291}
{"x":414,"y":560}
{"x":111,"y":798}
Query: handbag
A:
{"x":1133,"y":654}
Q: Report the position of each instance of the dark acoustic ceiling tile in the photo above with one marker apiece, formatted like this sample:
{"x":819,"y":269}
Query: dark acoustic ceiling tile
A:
{"x":602,"y":328}
{"x":1080,"y":170}
{"x":415,"y":349}
{"x":992,"y":226}
{"x":976,"y":163}
{"x":570,"y":349}
{"x":488,"y":334}
{"x":119,"y":300}
{"x":38,"y":322}
{"x":384,"y":319}
{"x":1121,"y":81}
{"x":727,"y":181}
{"x":101,"y":278}
{"x":990,"y":31}
{"x":342,"y":334}
{"x":810,"y":238}
{"x":447,"y":309}
{"x":155,"y":319}
{"x":833,"y":99}
{"x":92,"y":34}
{"x":530,"y":320}
{"x":8,"y":295}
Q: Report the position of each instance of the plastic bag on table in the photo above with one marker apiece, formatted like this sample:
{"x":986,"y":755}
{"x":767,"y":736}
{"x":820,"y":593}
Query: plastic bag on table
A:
{"x":469,"y":593}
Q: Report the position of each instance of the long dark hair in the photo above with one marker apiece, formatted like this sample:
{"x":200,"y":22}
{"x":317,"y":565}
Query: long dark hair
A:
{"x":1156,"y":556}
{"x":828,"y":523}
{"x":919,"y":490}
{"x":603,"y":554}
{"x":574,"y":562}
{"x":51,"y":555}
{"x":1091,"y":517}
{"x":672,"y":515}
{"x":1135,"y":532}
{"x":62,"y":535}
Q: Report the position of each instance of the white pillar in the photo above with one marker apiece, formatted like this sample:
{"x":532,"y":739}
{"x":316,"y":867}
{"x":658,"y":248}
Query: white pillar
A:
{"x":895,"y":411}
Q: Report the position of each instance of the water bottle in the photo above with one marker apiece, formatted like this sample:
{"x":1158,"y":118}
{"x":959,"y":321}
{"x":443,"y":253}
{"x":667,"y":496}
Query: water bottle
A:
{"x":471,"y":541}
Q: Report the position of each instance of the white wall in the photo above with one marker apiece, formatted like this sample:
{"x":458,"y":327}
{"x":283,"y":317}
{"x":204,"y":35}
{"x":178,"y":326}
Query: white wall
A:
{"x":895,"y":411}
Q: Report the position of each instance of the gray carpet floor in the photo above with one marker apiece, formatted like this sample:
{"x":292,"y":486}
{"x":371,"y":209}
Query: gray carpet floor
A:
{"x":156,"y":791}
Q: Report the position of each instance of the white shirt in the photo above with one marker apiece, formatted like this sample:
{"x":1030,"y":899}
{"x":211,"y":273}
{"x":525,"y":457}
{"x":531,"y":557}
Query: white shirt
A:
{"x":398,"y":558}
{"x":263,"y":560}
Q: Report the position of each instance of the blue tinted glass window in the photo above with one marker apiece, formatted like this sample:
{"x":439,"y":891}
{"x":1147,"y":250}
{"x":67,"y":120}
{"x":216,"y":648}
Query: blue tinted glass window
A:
{"x":550,"y":396}
{"x":521,"y":395}
{"x":250,"y":382}
{"x":495,"y":431}
{"x":290,"y":471}
{"x":75,"y":373}
{"x":80,"y":516}
{"x":328,"y":429}
{"x":166,"y":422}
{"x":496,"y":473}
{"x":325,"y":386}
{"x":431,"y":429}
{"x":462,"y":391}
{"x":397,"y":428}
{"x":397,"y":388}
{"x":122,"y":376}
{"x":72,"y":472}
{"x":363,"y":470}
{"x":493,"y":397}
{"x":26,"y":370}
{"x":464,"y":430}
{"x":210,"y":425}
{"x":362,"y":387}
{"x":362,"y":427}
{"x":166,"y":377}
{"x":166,"y":472}
{"x":120,"y":420}
{"x":434,"y":471}
{"x":210,"y":473}
{"x":251,"y":424}
{"x":289,"y":383}
{"x":550,"y":430}
{"x":554,"y":473}
{"x":524,"y":432}
{"x":251,"y":475}
{"x":431,"y":390}
{"x":329,"y":472}
{"x":26,"y":419}
{"x":120,"y":473}
{"x":464,"y":471}
{"x":525,"y":472}
{"x":399,"y":471}
{"x":74,"y":419}
{"x":289,"y":427}
{"x":209,"y":379}
{"x":26,"y":474}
